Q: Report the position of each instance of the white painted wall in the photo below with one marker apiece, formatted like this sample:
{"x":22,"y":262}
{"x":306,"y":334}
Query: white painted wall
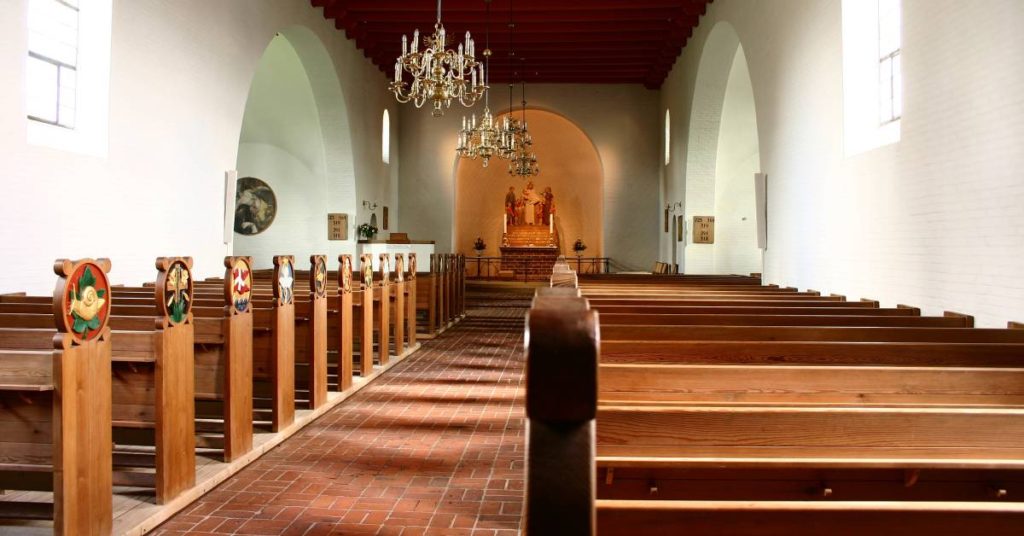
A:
{"x":282,"y":144}
{"x":180,"y":75}
{"x":735,"y":247}
{"x":624,"y":124}
{"x":934,"y":220}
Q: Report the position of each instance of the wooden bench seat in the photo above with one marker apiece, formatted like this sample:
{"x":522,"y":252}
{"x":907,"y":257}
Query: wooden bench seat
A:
{"x":808,"y":333}
{"x":56,"y":418}
{"x":781,"y":320}
{"x":791,"y":518}
{"x":158,"y":403}
{"x":762,"y":411}
{"x":751,"y":310}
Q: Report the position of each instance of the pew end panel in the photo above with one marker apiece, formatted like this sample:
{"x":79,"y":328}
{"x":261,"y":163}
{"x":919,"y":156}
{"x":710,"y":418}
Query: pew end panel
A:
{"x":174,"y":379}
{"x":346,"y":365}
{"x":237,"y":327}
{"x":561,"y":402}
{"x":82,"y":435}
{"x":317,"y":342}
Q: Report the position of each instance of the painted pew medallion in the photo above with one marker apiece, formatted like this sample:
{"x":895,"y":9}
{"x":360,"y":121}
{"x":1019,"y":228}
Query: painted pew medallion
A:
{"x":57,"y":406}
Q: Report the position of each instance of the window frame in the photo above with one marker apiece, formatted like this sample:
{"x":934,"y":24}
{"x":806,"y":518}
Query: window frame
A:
{"x":891,"y":57}
{"x":668,"y":136}
{"x":385,"y":137}
{"x":61,"y":67}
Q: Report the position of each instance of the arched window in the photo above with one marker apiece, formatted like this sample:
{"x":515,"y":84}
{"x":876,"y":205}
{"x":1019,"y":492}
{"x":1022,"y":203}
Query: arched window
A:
{"x":668,"y":137}
{"x":385,"y":138}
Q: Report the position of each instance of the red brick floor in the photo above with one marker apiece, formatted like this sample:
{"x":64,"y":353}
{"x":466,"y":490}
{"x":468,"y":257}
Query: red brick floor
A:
{"x":433,"y":447}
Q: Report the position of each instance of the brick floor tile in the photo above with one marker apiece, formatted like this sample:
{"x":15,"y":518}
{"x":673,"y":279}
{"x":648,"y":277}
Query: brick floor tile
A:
{"x":435,"y":447}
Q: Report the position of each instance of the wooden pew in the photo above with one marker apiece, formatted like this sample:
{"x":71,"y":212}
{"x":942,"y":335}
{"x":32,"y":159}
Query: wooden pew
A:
{"x":311,"y":336}
{"x":152,"y":380}
{"x":363,"y":315}
{"x":224,"y":371}
{"x":223,"y":311}
{"x":440,"y":267}
{"x":412,"y":300}
{"x":427,"y":284}
{"x":345,"y":319}
{"x":280,"y":333}
{"x":382,"y":296}
{"x":758,"y":442}
{"x":56,"y":395}
{"x":398,"y":309}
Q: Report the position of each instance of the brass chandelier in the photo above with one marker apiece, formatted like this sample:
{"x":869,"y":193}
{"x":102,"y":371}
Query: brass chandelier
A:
{"x":514,"y":140}
{"x":439,"y":75}
{"x":523,"y":162}
{"x":481,"y":140}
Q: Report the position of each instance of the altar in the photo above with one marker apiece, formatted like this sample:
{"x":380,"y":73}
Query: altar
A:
{"x":529,"y":240}
{"x":422,"y":248}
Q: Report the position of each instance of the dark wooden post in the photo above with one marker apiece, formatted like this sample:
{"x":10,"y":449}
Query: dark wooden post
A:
{"x":82,"y":433}
{"x":346,"y":321}
{"x":561,"y":404}
{"x":283,"y":340}
{"x":317,"y":342}
{"x":238,"y":357}
{"x":174,"y":382}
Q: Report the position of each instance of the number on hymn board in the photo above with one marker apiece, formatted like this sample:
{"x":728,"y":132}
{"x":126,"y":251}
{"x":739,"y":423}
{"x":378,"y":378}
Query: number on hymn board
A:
{"x":703,"y":229}
{"x":337,"y":226}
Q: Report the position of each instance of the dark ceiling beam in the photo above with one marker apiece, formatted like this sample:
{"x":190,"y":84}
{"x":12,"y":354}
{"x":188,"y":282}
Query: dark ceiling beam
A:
{"x":405,"y":18}
{"x":502,"y":6}
{"x":499,"y":30}
{"x":617,"y":41}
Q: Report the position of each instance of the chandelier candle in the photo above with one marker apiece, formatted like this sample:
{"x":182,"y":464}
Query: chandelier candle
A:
{"x":439,"y":75}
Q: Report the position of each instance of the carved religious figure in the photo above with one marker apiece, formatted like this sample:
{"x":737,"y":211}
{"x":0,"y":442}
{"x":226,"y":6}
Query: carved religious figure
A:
{"x":532,"y":202}
{"x":549,"y":205}
{"x":511,"y":214}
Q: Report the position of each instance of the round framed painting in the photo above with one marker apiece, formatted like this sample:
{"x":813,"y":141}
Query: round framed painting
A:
{"x":255,"y":206}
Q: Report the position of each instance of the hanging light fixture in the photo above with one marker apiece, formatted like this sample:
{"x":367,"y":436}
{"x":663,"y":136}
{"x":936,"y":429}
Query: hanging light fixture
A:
{"x":524,"y":161}
{"x":481,"y":140}
{"x":438,"y":75}
{"x":509,"y":136}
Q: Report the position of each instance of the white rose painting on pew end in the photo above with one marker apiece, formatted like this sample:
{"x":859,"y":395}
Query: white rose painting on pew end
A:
{"x":255,"y":206}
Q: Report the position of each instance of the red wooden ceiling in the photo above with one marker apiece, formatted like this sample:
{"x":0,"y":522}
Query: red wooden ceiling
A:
{"x":560,"y":41}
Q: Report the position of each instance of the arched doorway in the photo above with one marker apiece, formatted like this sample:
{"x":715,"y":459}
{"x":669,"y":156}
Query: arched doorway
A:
{"x":295,"y":139}
{"x":723,"y":155}
{"x":570,"y":166}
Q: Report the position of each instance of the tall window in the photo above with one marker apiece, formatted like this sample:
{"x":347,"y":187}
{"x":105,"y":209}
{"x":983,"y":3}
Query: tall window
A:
{"x":890,"y":98}
{"x":872,"y":79}
{"x":668,"y":137}
{"x":385,"y":138}
{"x":53,"y":61}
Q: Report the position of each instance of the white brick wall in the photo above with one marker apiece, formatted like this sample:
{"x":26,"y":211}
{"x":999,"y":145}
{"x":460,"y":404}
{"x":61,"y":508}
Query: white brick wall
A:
{"x":180,"y":75}
{"x":935,"y":220}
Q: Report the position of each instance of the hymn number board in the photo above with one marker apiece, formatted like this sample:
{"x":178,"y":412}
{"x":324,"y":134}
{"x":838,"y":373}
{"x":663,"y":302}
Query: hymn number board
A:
{"x":337,"y":226}
{"x":703,"y":229}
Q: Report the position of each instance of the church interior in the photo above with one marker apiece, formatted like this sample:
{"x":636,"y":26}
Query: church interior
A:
{"x":500,"y":267}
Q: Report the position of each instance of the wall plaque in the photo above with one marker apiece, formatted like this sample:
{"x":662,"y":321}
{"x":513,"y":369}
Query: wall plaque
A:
{"x":703,"y":229}
{"x":337,"y":226}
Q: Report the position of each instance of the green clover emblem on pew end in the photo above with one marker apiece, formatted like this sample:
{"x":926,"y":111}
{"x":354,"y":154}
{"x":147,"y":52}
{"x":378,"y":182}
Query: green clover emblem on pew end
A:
{"x":86,"y":303}
{"x":178,"y":292}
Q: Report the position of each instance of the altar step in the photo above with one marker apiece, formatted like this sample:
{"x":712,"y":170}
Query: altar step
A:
{"x":528,"y":236}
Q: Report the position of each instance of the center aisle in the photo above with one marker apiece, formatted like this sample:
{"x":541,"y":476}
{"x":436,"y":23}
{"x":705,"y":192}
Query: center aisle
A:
{"x":434,"y":447}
